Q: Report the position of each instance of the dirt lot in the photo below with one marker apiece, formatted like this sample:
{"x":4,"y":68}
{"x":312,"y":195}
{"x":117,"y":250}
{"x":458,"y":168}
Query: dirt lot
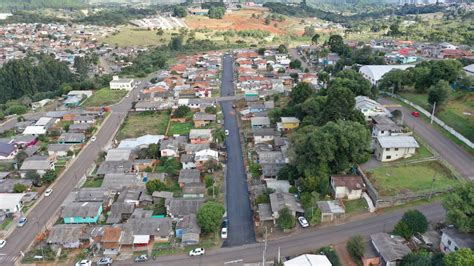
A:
{"x":243,"y":20}
{"x":344,"y":256}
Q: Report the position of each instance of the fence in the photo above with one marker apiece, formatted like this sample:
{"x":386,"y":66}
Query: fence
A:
{"x":435,"y":119}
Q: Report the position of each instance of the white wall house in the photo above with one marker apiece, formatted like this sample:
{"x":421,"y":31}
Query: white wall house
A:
{"x":370,"y":108}
{"x":391,"y":148}
{"x":121,"y":84}
{"x":347,"y":187}
{"x":452,"y":240}
{"x":11,"y":202}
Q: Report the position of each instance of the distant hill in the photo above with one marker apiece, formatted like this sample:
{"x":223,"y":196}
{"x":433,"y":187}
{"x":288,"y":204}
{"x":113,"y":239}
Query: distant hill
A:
{"x":12,"y":5}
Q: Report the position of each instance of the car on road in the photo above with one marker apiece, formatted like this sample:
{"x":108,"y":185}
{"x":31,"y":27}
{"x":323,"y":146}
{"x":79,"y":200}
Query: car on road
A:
{"x":22,"y":222}
{"x":415,"y":114}
{"x":2,"y":243}
{"x":224,"y":233}
{"x":197,"y":252}
{"x":93,"y":138}
{"x":84,"y":263}
{"x":105,"y":261}
{"x":303,"y":222}
{"x":142,"y":258}
{"x":48,"y":192}
{"x":226,"y":132}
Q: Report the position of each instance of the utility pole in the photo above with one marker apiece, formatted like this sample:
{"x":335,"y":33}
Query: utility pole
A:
{"x":265,"y":249}
{"x":279,"y":256}
{"x":432,"y":113}
{"x":432,"y":186}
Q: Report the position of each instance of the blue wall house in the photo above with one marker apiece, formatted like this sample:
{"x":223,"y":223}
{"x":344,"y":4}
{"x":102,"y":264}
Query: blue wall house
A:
{"x":82,"y":212}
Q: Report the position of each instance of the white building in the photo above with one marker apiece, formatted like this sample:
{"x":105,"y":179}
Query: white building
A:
{"x":347,"y":186}
{"x":370,"y":108}
{"x":391,"y":148}
{"x":121,"y":84}
{"x":11,"y":202}
{"x":308,"y":260}
{"x":374,"y":73}
{"x":452,"y":240}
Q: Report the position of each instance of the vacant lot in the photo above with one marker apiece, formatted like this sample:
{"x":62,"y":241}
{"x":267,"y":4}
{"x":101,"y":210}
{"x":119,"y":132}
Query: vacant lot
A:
{"x":177,"y":128}
{"x":394,"y":180}
{"x":458,"y":112}
{"x":356,"y":206}
{"x":104,"y":97}
{"x":139,"y":124}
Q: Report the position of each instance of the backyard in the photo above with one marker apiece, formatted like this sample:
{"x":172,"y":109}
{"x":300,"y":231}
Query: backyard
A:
{"x":103,"y":97}
{"x":356,"y":206}
{"x":139,"y":124}
{"x":178,"y":128}
{"x":411,"y":178}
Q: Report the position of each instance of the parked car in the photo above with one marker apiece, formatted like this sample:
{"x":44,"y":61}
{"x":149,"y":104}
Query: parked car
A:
{"x":48,"y":192}
{"x":84,"y":263}
{"x":224,"y":233}
{"x":22,"y":222}
{"x":197,"y":252}
{"x":105,"y":261}
{"x":415,"y":114}
{"x":94,"y":138}
{"x":226,"y":132}
{"x":2,"y":243}
{"x":303,"y":222}
{"x":142,"y":258}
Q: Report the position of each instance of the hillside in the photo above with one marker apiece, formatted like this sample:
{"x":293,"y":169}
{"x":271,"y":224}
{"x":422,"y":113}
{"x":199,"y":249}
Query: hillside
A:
{"x":12,"y":5}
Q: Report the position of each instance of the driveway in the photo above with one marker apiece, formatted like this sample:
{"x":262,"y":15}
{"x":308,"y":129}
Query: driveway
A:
{"x":461,"y":160}
{"x":239,"y":213}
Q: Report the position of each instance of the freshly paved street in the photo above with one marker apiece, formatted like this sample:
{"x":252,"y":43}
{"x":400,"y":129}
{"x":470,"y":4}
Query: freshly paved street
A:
{"x":239,"y":213}
{"x":308,"y":241}
{"x":461,"y":160}
{"x":47,"y":207}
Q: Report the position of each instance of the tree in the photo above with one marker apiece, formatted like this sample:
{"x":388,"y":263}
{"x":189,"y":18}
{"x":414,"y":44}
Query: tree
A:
{"x":315,"y":39}
{"x":395,"y":80}
{"x":170,"y":166}
{"x":216,"y":12}
{"x":182,"y":111}
{"x":285,"y":220}
{"x":176,"y":43}
{"x":295,"y":63}
{"x":459,"y":206}
{"x":50,"y":176}
{"x":300,"y":93}
{"x":336,"y":44}
{"x":32,"y":175}
{"x":416,"y":221}
{"x":179,"y":11}
{"x":282,"y":49}
{"x":331,"y":255}
{"x":355,"y":246}
{"x":211,"y":110}
{"x":19,"y":188}
{"x":352,"y":80}
{"x":439,"y":93}
{"x":464,"y":256}
{"x":209,"y":216}
{"x":21,"y":157}
{"x":394,"y":29}
{"x":268,"y":21}
{"x":218,"y":135}
{"x":403,"y":230}
{"x":155,"y":185}
{"x":81,"y":66}
{"x":288,"y":172}
{"x":309,"y":31}
{"x":416,"y":259}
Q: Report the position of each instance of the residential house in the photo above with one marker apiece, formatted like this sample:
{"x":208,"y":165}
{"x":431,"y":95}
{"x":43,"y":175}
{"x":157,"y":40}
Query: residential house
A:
{"x":374,"y":73}
{"x":142,"y":164}
{"x":92,"y":194}
{"x":200,"y":136}
{"x":347,"y":186}
{"x":24,"y":141}
{"x":169,"y":148}
{"x":395,"y":147}
{"x":7,"y":151}
{"x":121,"y":84}
{"x":140,"y":142}
{"x":330,"y":59}
{"x":193,"y":148}
{"x":7,"y":185}
{"x":384,"y":126}
{"x":39,"y":164}
{"x":203,"y":119}
{"x":260,"y":122}
{"x":331,"y":210}
{"x":271,"y":162}
{"x":308,"y":260}
{"x":262,"y":135}
{"x":188,"y":230}
{"x":452,"y":240}
{"x":117,"y":181}
{"x":11,"y":202}
{"x":67,"y":236}
{"x":390,"y":247}
{"x":84,"y":119}
{"x":288,"y":123}
{"x":81,"y":212}
{"x":145,"y":231}
{"x":120,"y":212}
{"x":71,"y":138}
{"x":370,"y":108}
{"x":194,"y":190}
{"x":187,"y":161}
{"x":118,"y":155}
{"x":281,"y":200}
{"x":157,"y":195}
{"x":59,"y":150}
{"x":189,"y":176}
{"x":115,"y":167}
{"x":79,"y":128}
{"x":35,"y":130}
{"x":181,"y":207}
{"x":201,"y":157}
{"x":110,"y":241}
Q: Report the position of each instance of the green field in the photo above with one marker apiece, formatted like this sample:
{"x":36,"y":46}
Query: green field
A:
{"x":454,"y":113}
{"x":394,"y":180}
{"x":421,"y":152}
{"x":104,"y":97}
{"x":139,"y":124}
{"x":356,"y":206}
{"x":178,"y":128}
{"x":93,"y":182}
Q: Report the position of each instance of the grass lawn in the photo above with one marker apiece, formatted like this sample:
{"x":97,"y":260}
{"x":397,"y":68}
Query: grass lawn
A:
{"x":393,"y":180}
{"x":93,"y":182}
{"x":178,"y":128}
{"x":6,"y":223}
{"x":139,"y":124}
{"x":420,"y":99}
{"x":104,"y":96}
{"x":356,"y":206}
{"x":421,"y":152}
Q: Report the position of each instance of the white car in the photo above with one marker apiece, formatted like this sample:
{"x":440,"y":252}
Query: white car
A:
{"x":105,"y":261}
{"x":84,"y":263}
{"x":22,"y":222}
{"x":224,"y":233}
{"x":94,"y":138}
{"x":197,"y":252}
{"x":48,"y":192}
{"x":226,"y":132}
{"x":2,"y":243}
{"x":303,"y":222}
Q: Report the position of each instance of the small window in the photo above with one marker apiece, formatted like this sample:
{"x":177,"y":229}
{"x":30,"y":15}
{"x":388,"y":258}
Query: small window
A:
{"x":383,"y":131}
{"x":449,"y":242}
{"x":388,"y":157}
{"x":387,"y":149}
{"x":396,"y":149}
{"x":455,"y":248}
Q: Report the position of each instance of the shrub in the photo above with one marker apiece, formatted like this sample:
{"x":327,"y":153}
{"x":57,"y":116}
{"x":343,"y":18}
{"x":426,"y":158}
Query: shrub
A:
{"x":286,"y":220}
{"x":355,"y":247}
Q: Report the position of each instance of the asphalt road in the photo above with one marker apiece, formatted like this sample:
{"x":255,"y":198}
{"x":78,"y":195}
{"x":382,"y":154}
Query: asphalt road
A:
{"x":38,"y":217}
{"x":239,"y":213}
{"x":308,"y":241}
{"x":461,"y":160}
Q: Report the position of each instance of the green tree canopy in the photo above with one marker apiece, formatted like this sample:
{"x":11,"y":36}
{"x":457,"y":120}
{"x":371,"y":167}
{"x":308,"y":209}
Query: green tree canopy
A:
{"x":315,"y":39}
{"x":19,"y":188}
{"x":462,"y":257}
{"x":209,"y":216}
{"x":403,"y":230}
{"x":179,"y":11}
{"x":216,"y":12}
{"x":155,"y":185}
{"x":285,"y":219}
{"x":459,"y":206}
{"x":295,"y":63}
{"x":439,"y":93}
{"x":416,"y":221}
{"x":182,"y":111}
{"x":353,"y":80}
{"x":395,"y":80}
{"x":355,"y":246}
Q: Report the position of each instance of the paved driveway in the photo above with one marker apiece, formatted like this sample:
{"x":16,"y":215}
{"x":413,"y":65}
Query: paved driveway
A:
{"x":239,"y":213}
{"x":461,"y":160}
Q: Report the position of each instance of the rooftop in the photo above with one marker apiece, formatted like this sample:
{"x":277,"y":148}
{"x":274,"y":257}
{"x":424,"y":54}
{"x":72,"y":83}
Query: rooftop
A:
{"x":390,"y":247}
{"x":81,"y":209}
{"x":352,"y":182}
{"x":397,"y":142}
{"x":281,"y":200}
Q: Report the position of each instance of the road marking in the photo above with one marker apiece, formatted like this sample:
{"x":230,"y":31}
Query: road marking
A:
{"x":233,"y":261}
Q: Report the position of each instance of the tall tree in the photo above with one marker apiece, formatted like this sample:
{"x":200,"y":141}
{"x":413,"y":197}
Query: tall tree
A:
{"x":315,"y":39}
{"x":459,"y":207}
{"x":439,"y":93}
{"x":416,"y":221}
{"x":209,"y":216}
{"x":464,"y":256}
{"x":355,"y":246}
